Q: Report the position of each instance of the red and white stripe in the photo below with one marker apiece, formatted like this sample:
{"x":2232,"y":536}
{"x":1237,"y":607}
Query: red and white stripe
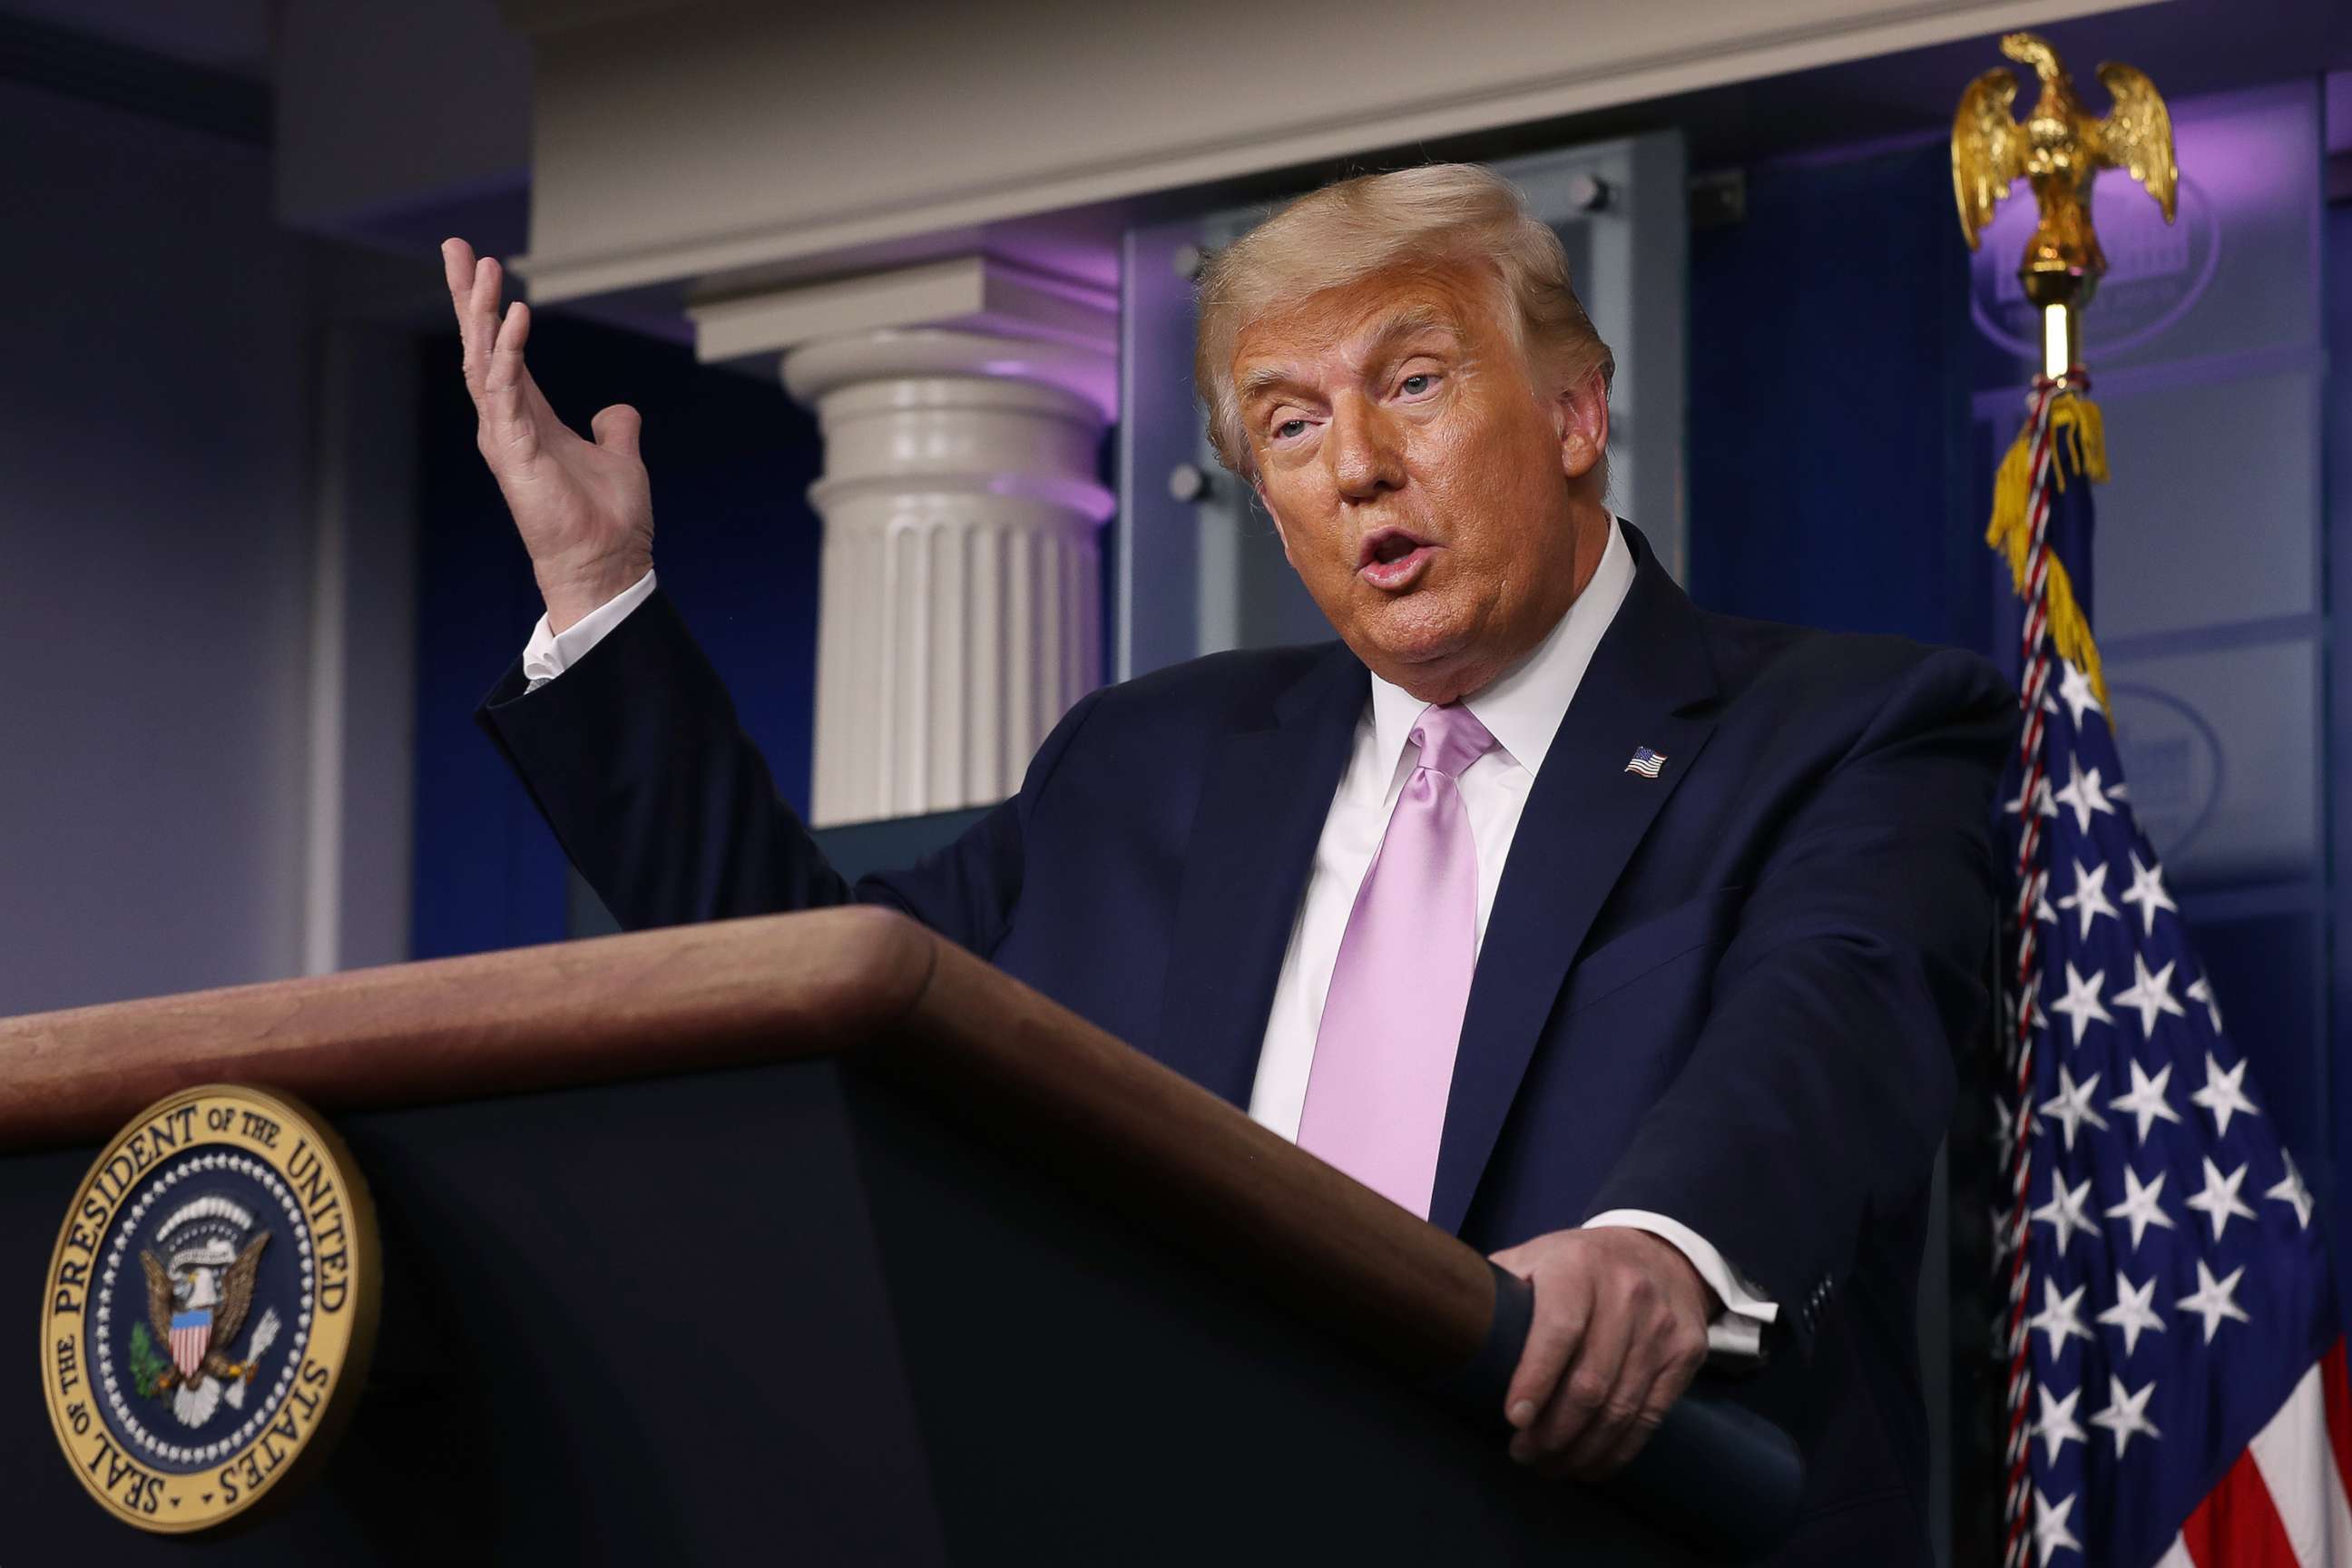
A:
{"x":2287,"y":1502}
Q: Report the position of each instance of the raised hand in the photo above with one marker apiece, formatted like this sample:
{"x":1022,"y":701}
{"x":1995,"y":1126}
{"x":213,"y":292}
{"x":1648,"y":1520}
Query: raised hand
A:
{"x":584,"y":509}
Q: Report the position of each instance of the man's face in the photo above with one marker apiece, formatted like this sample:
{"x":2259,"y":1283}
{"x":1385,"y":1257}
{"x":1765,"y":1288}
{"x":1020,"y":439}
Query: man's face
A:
{"x":1425,"y":492}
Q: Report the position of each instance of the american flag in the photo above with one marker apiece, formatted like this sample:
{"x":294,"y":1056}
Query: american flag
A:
{"x":1645,"y":762}
{"x":2184,"y":1375}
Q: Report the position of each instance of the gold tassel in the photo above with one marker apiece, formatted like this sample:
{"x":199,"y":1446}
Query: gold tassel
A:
{"x":2076,"y":431}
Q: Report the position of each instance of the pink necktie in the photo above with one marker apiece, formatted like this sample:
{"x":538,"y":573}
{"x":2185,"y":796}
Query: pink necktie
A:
{"x":1384,"y":1054}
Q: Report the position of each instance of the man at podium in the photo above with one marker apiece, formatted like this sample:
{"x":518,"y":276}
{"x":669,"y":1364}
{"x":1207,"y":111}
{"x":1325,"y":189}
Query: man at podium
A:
{"x":1628,"y":942}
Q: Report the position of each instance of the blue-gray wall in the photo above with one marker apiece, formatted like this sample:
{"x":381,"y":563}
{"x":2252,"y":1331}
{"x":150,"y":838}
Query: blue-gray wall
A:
{"x":154,"y":559}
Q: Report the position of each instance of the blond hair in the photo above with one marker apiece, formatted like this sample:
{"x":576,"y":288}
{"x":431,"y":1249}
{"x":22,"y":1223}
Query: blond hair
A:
{"x":1345,"y":232}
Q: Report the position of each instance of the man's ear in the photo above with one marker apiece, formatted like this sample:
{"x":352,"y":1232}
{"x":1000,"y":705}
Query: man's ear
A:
{"x":1582,"y":415}
{"x":1280,"y":533}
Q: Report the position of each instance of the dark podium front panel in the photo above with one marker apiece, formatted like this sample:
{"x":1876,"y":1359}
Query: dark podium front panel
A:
{"x":789,"y":1312}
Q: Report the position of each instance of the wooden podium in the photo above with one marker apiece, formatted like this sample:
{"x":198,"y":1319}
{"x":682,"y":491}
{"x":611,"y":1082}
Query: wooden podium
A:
{"x":813,"y":1238}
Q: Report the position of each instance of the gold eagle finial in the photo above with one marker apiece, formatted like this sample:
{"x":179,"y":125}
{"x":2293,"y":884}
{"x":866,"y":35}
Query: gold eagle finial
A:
{"x":2058,"y":148}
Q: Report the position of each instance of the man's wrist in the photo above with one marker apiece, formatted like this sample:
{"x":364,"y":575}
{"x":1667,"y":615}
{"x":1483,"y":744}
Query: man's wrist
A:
{"x":1735,"y":1292}
{"x":573,"y":593}
{"x":1710,"y":1304}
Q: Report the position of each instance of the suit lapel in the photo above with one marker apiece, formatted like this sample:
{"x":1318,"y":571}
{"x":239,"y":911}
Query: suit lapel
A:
{"x":1584,"y":817}
{"x":1261,"y":809}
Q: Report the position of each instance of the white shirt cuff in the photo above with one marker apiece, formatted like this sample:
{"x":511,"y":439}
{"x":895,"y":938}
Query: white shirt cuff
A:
{"x":550,"y":654}
{"x":1739,"y":1330}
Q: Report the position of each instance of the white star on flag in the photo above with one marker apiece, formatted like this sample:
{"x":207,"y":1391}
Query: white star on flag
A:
{"x":2072,"y":1105}
{"x":2058,"y":1426}
{"x":2050,"y":1533}
{"x":2146,"y":893}
{"x":2009,"y":1025}
{"x":2222,"y":1094}
{"x":2146,"y":1102}
{"x":2291,"y":1190}
{"x":2042,"y":804}
{"x":2134,"y":1311}
{"x":2005,"y":1133}
{"x":2083,"y":798}
{"x":2061,"y":1316}
{"x":2064,"y":1212}
{"x":2219,"y":1201}
{"x":2089,"y":897}
{"x":2003,"y":1242}
{"x":2140,"y":1205}
{"x":2151,"y":994}
{"x":2081,"y":1004}
{"x":2204,"y":992}
{"x":2214,"y":1299}
{"x":2127,"y":1414}
{"x":2074,"y":691}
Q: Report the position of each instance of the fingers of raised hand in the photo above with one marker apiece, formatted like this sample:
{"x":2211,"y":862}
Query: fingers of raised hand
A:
{"x":505,"y":396}
{"x":616,"y":429}
{"x":461,"y":270}
{"x":505,"y":373}
{"x":457,"y":271}
{"x":477,"y":319}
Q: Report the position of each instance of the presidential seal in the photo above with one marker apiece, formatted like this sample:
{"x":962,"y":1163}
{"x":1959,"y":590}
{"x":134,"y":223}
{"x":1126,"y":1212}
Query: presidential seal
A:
{"x":211,"y":1307}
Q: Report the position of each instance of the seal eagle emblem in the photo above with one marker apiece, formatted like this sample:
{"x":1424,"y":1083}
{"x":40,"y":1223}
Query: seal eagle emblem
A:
{"x":211,"y":1307}
{"x":199,"y":1298}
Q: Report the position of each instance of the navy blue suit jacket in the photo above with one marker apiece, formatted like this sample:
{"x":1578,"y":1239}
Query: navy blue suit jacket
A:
{"x":1731,"y":994}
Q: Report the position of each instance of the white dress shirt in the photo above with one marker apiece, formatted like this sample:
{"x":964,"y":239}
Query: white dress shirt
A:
{"x":550,"y":654}
{"x":1523,"y":710}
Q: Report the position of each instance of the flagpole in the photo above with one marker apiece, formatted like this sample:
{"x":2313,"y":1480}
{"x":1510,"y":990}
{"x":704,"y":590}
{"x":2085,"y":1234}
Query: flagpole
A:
{"x":2060,"y":291}
{"x":2062,"y":344}
{"x":2058,"y":151}
{"x":2026,"y":980}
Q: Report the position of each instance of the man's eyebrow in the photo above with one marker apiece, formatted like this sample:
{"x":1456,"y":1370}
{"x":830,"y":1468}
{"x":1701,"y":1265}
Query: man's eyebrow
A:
{"x":1409,"y":321}
{"x":1259,"y":380}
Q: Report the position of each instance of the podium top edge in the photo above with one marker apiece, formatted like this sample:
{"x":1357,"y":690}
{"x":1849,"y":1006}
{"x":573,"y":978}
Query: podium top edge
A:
{"x":682,"y":999}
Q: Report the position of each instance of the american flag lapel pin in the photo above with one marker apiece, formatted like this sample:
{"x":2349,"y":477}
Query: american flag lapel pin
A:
{"x":1646,"y":763}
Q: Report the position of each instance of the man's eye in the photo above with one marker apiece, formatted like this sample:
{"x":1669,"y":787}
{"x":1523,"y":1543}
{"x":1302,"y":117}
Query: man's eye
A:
{"x":1415,"y":385}
{"x":1288,"y":428}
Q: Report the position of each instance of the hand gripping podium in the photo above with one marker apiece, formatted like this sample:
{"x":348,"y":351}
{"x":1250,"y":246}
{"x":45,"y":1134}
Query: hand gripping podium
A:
{"x":813,"y":1238}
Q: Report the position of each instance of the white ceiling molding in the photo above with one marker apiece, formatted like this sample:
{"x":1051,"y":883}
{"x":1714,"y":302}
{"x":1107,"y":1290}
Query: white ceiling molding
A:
{"x":682,"y":141}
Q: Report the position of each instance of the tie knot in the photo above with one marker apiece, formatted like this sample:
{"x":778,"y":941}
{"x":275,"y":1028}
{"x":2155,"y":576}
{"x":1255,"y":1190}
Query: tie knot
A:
{"x":1450,"y":738}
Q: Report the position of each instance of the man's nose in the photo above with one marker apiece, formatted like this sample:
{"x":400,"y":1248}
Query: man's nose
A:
{"x":1363,"y":448}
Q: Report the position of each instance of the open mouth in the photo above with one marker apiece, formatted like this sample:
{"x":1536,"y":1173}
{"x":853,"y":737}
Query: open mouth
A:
{"x":1392,"y":558}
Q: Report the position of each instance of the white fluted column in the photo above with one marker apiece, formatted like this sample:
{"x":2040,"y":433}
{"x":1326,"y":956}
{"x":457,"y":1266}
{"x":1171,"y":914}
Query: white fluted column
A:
{"x":960,"y":613}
